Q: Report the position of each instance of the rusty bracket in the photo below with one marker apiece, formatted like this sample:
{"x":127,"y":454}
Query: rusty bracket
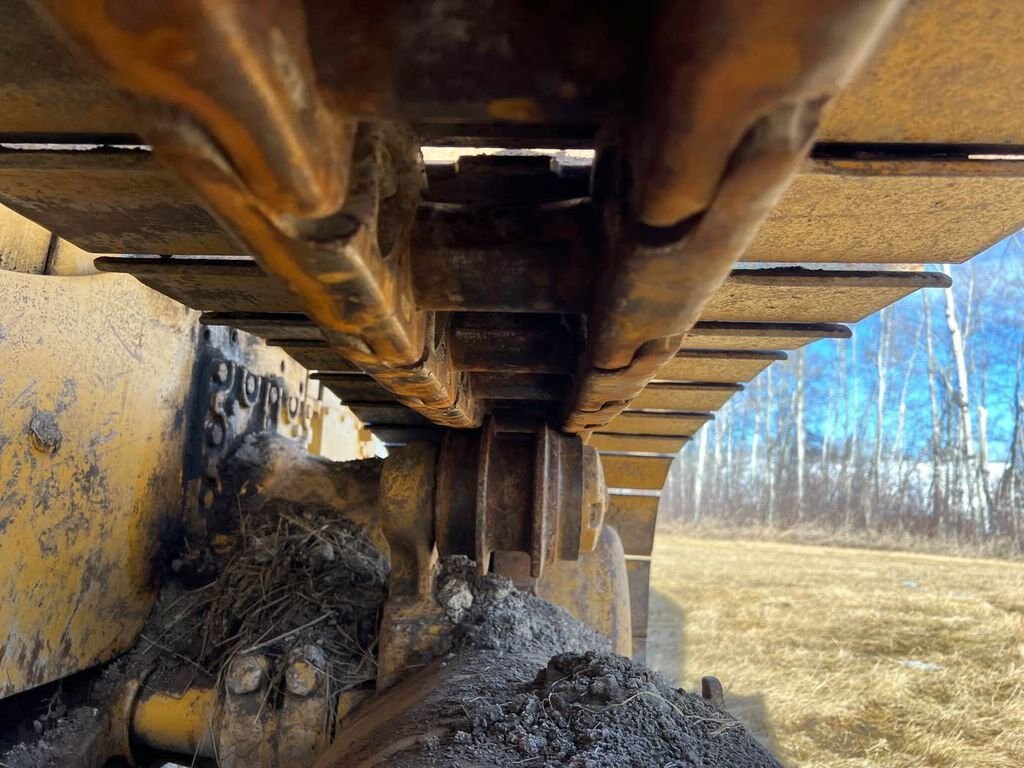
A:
{"x":518,"y":488}
{"x":324,"y":204}
{"x":413,"y":629}
{"x":734,"y":94}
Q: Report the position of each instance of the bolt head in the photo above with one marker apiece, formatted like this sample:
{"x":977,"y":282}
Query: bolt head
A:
{"x":220,"y":373}
{"x":215,"y":434}
{"x":250,"y":385}
{"x":247,"y":674}
{"x":44,"y":434}
{"x":304,"y":675}
{"x":274,"y":395}
{"x":301,"y":678}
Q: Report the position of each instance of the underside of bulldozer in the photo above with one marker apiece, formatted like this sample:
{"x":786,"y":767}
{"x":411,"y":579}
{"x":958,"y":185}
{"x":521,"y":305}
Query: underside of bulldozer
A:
{"x":325,"y":323}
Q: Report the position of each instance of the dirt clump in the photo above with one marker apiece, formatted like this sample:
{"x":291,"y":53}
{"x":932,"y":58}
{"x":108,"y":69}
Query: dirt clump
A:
{"x":42,"y":727}
{"x":526,"y":684}
{"x":489,"y":613}
{"x":496,"y":708}
{"x":595,"y":710}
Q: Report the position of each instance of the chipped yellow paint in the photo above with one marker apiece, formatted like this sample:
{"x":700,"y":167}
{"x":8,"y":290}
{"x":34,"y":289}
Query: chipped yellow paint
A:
{"x":23,"y":244}
{"x":646,"y":472}
{"x":518,"y":110}
{"x":634,"y":516}
{"x":949,"y":71}
{"x":92,"y":396}
{"x":180,"y":724}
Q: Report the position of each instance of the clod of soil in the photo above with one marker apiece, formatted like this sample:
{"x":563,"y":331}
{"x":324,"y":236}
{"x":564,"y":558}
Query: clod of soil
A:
{"x":491,"y":614}
{"x":527,"y":684}
{"x":42,"y":727}
{"x":595,"y":710}
{"x":495,"y":708}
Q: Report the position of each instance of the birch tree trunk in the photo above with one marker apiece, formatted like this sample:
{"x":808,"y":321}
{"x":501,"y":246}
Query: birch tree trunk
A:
{"x":754,"y":477}
{"x":770,"y":445}
{"x":983,"y":478}
{"x":874,"y":507}
{"x":962,"y":402}
{"x":801,"y":438}
{"x":936,"y":436}
{"x":719,"y":472}
{"x":824,"y":475}
{"x":731,"y":471}
{"x":701,"y":479}
{"x":1013,"y":470}
{"x":899,"y":455}
{"x":849,"y":460}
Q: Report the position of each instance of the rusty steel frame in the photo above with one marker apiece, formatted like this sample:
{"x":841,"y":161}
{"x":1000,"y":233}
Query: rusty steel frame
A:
{"x":325,"y":204}
{"x":287,"y":140}
{"x":502,"y":291}
{"x":723,"y":132}
{"x":517,"y":488}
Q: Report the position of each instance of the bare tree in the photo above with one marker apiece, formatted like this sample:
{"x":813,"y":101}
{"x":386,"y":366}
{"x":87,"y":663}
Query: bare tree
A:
{"x":807,"y":438}
{"x":878,"y":470}
{"x":801,"y":436}
{"x":962,"y":401}
{"x":702,"y":478}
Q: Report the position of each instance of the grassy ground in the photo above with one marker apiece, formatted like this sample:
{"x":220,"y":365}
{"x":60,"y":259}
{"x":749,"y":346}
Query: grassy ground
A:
{"x":846,"y":657}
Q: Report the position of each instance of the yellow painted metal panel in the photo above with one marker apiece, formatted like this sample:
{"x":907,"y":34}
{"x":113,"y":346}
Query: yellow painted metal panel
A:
{"x":23,"y":244}
{"x":643,"y":472}
{"x":922,"y":212}
{"x":721,"y":367}
{"x":604,"y":441}
{"x":92,"y":388}
{"x":682,"y":397}
{"x":634,"y":517}
{"x":949,"y":71}
{"x":675,"y":424}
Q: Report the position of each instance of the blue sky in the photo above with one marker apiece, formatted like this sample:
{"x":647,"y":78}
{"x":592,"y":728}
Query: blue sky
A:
{"x":988,"y":290}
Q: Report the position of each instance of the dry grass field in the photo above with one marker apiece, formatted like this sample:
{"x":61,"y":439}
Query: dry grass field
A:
{"x":847,"y":657}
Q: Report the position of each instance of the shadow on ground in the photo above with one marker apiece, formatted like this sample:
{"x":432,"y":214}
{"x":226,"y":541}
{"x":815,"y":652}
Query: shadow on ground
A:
{"x":666,"y":652}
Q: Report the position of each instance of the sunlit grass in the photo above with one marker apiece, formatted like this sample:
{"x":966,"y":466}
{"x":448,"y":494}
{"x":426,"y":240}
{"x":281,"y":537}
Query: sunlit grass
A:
{"x":846,"y":657}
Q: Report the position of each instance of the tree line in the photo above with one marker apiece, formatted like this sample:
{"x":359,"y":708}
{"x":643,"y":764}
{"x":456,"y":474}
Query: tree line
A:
{"x":915,"y":425}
